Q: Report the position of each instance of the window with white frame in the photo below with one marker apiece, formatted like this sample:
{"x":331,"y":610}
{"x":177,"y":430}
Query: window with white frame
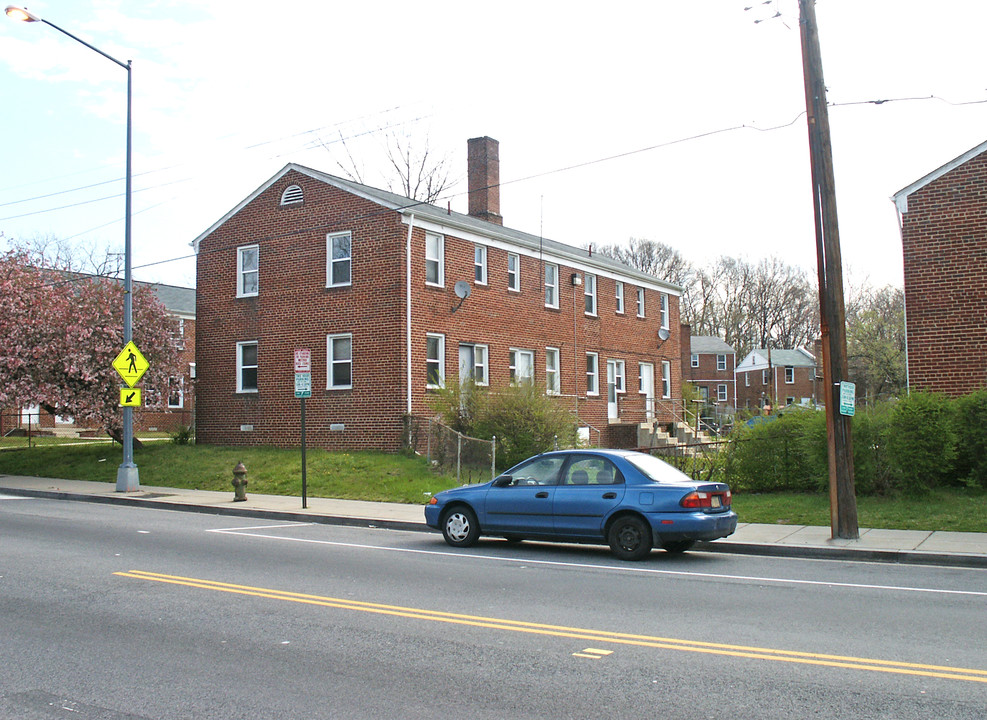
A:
{"x":246,"y":367}
{"x":434,"y":259}
{"x":721,"y":393}
{"x":694,"y":360}
{"x":338,"y":259}
{"x":176,"y":392}
{"x":551,"y":285}
{"x":664,"y":310}
{"x":435,"y":361}
{"x":666,"y":379}
{"x":789,"y":375}
{"x":553,"y":382}
{"x":248,"y":270}
{"x":619,"y":295}
{"x":522,"y":365}
{"x":589,"y":293}
{"x":339,"y":350}
{"x":789,"y":400}
{"x":747,"y":379}
{"x":592,"y":373}
{"x":765,"y":377}
{"x":640,"y":302}
{"x":474,"y":363}
{"x":480,"y":264}
{"x":721,"y":362}
{"x":514,"y":272}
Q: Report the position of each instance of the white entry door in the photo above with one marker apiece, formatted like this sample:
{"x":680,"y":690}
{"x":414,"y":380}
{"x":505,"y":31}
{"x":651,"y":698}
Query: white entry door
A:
{"x":646,"y":372}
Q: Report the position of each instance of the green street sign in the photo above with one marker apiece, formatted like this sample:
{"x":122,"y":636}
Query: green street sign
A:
{"x":848,"y":398}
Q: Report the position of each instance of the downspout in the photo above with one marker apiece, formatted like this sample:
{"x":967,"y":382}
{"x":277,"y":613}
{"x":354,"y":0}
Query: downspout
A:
{"x":407,"y":310}
{"x":899,"y":212}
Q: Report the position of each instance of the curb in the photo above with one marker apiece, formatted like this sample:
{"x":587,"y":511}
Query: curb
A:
{"x":903,"y":557}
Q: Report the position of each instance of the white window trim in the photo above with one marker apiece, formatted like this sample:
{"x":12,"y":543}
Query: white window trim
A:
{"x":619,"y":375}
{"x":589,"y":293}
{"x":480,"y":264}
{"x":441,"y":360}
{"x":484,"y":363}
{"x":513,"y":354}
{"x":619,"y":295}
{"x":720,"y":367}
{"x":664,"y":310}
{"x":240,"y":272}
{"x":792,"y":369}
{"x":552,"y":353}
{"x":330,"y":260}
{"x":331,"y":361}
{"x":694,"y":360}
{"x":640,"y":302}
{"x":181,"y":394}
{"x":554,"y":286}
{"x":641,"y":374}
{"x":595,"y":374}
{"x":240,"y":366}
{"x":722,"y":393}
{"x":747,"y":379}
{"x":439,"y":259}
{"x":666,"y":379}
{"x":516,"y":285}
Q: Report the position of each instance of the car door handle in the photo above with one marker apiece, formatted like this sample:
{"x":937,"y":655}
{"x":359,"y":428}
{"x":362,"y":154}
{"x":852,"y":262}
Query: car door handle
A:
{"x":609,"y":496}
{"x":542,"y":494}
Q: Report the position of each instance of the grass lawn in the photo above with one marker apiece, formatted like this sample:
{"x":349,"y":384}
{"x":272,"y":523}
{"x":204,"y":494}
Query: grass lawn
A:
{"x":398,"y":478}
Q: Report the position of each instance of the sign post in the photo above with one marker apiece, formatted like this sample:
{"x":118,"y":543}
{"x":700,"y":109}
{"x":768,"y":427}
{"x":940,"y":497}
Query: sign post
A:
{"x":303,"y":390}
{"x":131,"y":365}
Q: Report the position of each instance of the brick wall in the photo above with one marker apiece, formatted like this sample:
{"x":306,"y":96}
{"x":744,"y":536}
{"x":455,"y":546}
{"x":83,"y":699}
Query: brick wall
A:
{"x":751,"y":389}
{"x":294,"y":309}
{"x":944,"y":242}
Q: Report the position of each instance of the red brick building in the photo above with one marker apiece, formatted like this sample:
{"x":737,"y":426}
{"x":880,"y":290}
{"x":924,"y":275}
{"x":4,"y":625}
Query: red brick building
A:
{"x":709,"y":364}
{"x":394,"y":298}
{"x":778,"y":378}
{"x":943,"y":219}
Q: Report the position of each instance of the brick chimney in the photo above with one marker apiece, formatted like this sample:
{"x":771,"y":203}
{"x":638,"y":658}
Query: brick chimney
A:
{"x":483,"y":169}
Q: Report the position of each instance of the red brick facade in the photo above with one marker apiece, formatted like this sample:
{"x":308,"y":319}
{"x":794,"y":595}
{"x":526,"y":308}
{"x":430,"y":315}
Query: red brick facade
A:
{"x":944,"y":244}
{"x":790,"y":377}
{"x":294,"y":307}
{"x":708,"y":364}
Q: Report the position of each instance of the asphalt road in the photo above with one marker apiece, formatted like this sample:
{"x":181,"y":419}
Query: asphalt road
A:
{"x":110,"y":612}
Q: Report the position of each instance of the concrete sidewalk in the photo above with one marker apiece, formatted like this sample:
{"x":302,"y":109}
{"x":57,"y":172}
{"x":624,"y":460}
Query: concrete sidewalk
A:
{"x":903,"y":546}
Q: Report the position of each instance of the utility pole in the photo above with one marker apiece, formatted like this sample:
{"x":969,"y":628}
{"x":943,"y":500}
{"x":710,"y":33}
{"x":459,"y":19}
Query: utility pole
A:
{"x":842,"y":495}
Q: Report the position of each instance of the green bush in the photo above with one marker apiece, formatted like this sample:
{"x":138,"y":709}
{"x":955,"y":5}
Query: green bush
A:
{"x":524,"y":419}
{"x":969,"y":424}
{"x":783,"y":452}
{"x":921,"y":443}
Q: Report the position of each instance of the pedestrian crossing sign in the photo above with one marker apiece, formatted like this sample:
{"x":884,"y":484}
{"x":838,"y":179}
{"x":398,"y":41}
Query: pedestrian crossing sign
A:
{"x":131,"y":364}
{"x":130,"y":397}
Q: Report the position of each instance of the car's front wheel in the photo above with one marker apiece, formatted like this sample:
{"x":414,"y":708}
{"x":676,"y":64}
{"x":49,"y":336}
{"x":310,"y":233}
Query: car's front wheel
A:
{"x":629,"y":538}
{"x":460,"y":528}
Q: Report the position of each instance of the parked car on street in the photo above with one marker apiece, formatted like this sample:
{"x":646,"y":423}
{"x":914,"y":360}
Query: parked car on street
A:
{"x":629,"y":500}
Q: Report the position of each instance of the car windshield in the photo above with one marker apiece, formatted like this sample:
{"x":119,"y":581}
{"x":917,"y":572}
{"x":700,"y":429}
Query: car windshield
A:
{"x":657,"y":470}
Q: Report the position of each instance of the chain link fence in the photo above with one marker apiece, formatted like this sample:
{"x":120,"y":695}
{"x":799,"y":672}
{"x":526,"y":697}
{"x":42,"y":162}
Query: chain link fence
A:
{"x":471,"y":459}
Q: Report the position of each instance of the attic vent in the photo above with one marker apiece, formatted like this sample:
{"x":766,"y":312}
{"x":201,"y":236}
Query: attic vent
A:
{"x":292,"y":195}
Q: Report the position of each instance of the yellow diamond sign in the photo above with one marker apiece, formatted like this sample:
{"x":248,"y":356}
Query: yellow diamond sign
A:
{"x":131,"y":364}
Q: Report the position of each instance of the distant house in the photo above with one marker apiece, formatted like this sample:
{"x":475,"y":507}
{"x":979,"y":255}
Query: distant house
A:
{"x":943,"y":219}
{"x":770,"y":377}
{"x":165,"y":409}
{"x":709,"y":364}
{"x":396,"y":299}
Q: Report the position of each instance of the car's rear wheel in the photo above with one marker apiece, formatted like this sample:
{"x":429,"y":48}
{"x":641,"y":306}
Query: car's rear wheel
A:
{"x":629,"y":538}
{"x":459,"y":527}
{"x":677,"y":546}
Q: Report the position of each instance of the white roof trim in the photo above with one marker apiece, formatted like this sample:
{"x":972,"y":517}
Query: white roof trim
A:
{"x":900,"y":198}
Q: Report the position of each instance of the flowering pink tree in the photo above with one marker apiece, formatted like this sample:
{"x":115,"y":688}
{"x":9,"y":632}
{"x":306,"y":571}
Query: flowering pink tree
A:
{"x":60,"y":332}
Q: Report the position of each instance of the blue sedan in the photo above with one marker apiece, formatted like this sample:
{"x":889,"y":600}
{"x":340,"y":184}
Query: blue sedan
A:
{"x":630,"y":500}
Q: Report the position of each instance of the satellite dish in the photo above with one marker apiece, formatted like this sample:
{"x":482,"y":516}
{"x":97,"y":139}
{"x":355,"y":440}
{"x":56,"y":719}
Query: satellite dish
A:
{"x":462,"y":290}
{"x":663,"y":334}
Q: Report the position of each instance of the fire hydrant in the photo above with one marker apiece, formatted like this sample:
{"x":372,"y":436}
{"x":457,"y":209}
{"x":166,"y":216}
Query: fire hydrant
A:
{"x":240,"y":482}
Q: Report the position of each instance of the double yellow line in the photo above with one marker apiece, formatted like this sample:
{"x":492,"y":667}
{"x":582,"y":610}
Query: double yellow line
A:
{"x":599,"y":636}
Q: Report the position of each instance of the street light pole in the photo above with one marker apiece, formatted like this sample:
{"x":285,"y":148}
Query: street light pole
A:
{"x":127,"y":474}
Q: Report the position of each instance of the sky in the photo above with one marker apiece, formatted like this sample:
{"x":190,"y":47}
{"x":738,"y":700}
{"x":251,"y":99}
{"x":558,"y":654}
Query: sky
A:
{"x":681,"y":122}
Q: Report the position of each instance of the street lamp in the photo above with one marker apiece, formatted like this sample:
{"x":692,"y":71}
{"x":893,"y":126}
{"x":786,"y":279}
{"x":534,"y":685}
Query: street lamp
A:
{"x":127,"y":474}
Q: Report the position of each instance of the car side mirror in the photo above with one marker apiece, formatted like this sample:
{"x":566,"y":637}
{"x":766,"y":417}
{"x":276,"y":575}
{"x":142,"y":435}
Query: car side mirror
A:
{"x":503,"y":481}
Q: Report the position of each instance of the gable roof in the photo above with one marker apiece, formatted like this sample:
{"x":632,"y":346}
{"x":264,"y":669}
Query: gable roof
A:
{"x":901,"y":197}
{"x":707,"y":345}
{"x":465,"y":224}
{"x":757,"y":359}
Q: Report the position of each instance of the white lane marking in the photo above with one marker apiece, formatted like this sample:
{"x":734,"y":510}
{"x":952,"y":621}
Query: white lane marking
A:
{"x":14,"y":497}
{"x":260,"y":527}
{"x":589,"y":566}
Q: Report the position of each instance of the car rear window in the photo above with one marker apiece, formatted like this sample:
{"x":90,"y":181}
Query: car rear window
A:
{"x":657,"y":470}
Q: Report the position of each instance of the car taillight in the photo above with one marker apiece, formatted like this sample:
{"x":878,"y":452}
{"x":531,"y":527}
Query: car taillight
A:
{"x":699,"y":499}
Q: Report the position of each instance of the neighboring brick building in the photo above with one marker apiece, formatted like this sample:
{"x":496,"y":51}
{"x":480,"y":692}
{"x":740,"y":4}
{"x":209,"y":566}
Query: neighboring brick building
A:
{"x":395,"y":298}
{"x":708,"y":363}
{"x":778,"y":378}
{"x":943,"y":219}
